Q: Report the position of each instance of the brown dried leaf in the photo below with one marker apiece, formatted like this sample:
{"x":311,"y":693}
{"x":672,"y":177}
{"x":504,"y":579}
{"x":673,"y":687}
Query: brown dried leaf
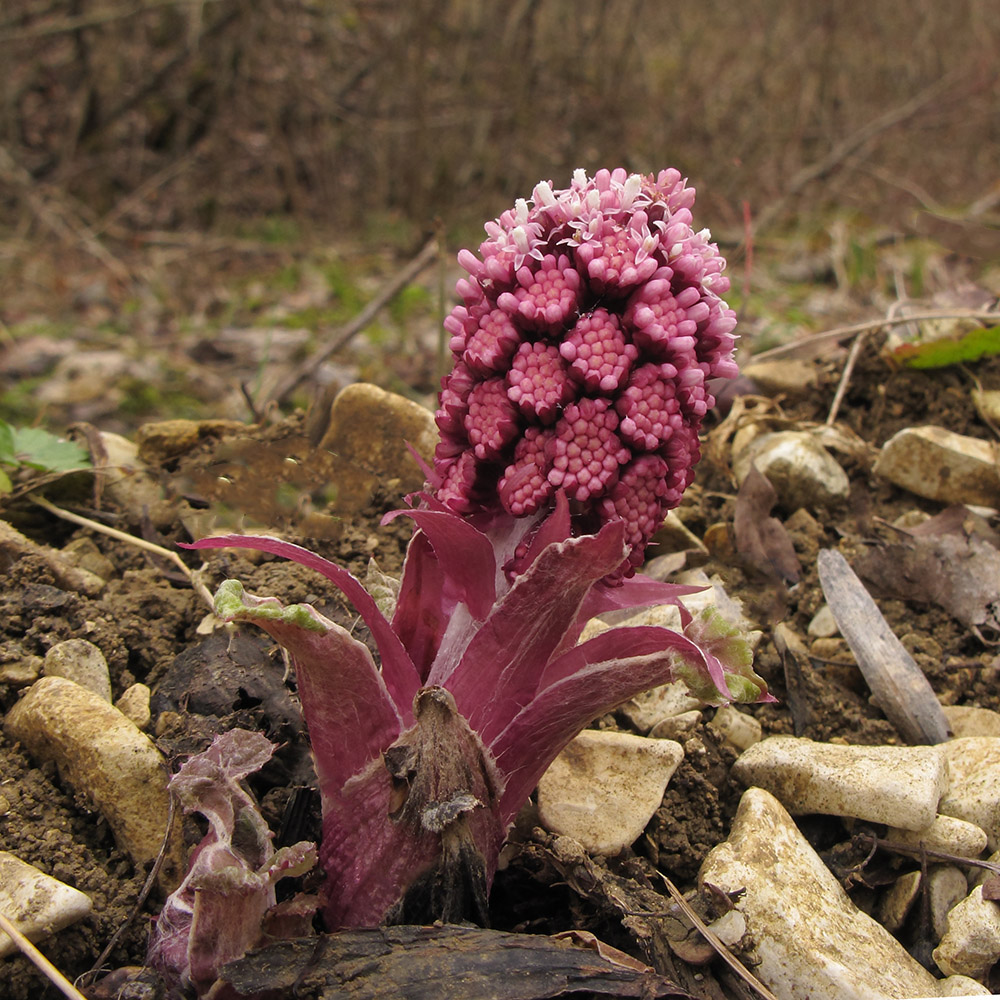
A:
{"x":951,"y":560}
{"x":761,"y":539}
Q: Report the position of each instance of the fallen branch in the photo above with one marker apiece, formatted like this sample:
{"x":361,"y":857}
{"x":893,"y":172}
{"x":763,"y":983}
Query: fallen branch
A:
{"x":396,"y":284}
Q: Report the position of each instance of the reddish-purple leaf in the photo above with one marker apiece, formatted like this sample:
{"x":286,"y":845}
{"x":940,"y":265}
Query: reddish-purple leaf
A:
{"x":465,"y":555}
{"x":341,"y":688}
{"x":398,"y":670}
{"x":502,"y":664}
{"x":423,"y":606}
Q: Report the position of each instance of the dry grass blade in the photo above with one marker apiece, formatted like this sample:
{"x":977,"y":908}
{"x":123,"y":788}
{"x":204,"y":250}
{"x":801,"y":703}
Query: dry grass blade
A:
{"x":123,"y":536}
{"x":721,"y":950}
{"x":41,"y":962}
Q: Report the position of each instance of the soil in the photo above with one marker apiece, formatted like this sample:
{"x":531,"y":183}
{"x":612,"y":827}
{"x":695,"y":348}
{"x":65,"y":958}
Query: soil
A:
{"x":146,"y":623}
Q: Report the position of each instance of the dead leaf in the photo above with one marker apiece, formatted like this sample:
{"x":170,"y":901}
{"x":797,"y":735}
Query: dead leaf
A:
{"x":951,"y":560}
{"x":443,"y":962}
{"x":899,"y":687}
{"x":761,"y":539}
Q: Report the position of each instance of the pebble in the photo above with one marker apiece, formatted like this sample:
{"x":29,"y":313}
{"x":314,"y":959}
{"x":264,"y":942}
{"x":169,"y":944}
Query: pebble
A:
{"x":802,"y":472}
{"x":125,"y":476}
{"x":37,"y":904}
{"x":20,"y":673}
{"x":81,"y":661}
{"x":941,"y":465}
{"x":823,"y":625}
{"x":84,"y":553}
{"x":971,"y":945}
{"x":791,"y":377}
{"x":738,"y":729}
{"x":647,"y":710}
{"x":102,"y":755}
{"x":953,"y":836}
{"x":946,"y":885}
{"x":134,"y":704}
{"x":604,"y":787}
{"x":162,"y":440}
{"x":369,"y":436}
{"x":967,"y":720}
{"x":895,"y":905}
{"x":810,"y":940}
{"x":974,"y":791}
{"x":676,"y":727}
{"x":881,"y":784}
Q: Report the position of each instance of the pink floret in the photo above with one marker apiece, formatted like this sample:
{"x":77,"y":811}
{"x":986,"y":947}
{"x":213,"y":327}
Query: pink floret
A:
{"x":491,"y":422}
{"x":524,"y":486}
{"x":538,"y":382}
{"x":598,"y":353}
{"x":493,"y":343}
{"x":649,"y":409}
{"x":546,"y":298}
{"x":586,"y":452}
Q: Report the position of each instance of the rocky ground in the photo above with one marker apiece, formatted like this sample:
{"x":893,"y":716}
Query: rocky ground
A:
{"x":320,"y":479}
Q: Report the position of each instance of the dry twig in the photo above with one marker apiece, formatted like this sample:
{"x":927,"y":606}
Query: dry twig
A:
{"x":41,"y":962}
{"x":193,"y":578}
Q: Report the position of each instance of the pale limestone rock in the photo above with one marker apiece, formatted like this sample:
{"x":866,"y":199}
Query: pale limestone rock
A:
{"x":676,"y":727}
{"x":647,"y":710}
{"x":22,"y":672}
{"x":881,"y":784}
{"x":604,"y":787}
{"x":103,"y":756}
{"x":786,"y":377}
{"x":802,"y":472}
{"x":974,"y":791}
{"x":954,"y":836}
{"x":35,"y":903}
{"x":367,"y":437}
{"x":134,"y":704}
{"x":946,"y":886}
{"x":895,"y":905}
{"x":962,"y":986}
{"x":80,"y":661}
{"x":811,"y":942}
{"x":971,"y":945}
{"x":967,"y":720}
{"x":823,"y":625}
{"x":738,"y":729}
{"x":941,"y":465}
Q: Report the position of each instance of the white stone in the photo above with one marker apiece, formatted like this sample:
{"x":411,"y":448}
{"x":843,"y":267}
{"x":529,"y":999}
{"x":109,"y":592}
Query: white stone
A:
{"x":881,"y":784}
{"x":974,"y":791}
{"x":946,"y":886}
{"x":810,"y":941}
{"x":134,"y":704}
{"x":895,"y":905}
{"x":941,"y":465}
{"x":35,"y":903}
{"x":80,"y":661}
{"x":962,"y":986}
{"x":967,"y":720}
{"x":604,"y":787}
{"x":953,"y":836}
{"x":738,"y":729}
{"x":676,"y":727}
{"x":823,"y":625}
{"x":802,"y":472}
{"x":971,"y":945}
{"x":648,"y":709}
{"x":104,"y":757}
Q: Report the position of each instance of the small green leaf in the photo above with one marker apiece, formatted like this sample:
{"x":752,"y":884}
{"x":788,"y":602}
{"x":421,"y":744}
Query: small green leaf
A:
{"x":39,"y":449}
{"x":944,"y":351}
{"x":5,"y":484}
{"x":7,"y":444}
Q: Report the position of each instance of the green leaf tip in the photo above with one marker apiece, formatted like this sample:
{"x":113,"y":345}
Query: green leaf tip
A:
{"x":233,"y":603}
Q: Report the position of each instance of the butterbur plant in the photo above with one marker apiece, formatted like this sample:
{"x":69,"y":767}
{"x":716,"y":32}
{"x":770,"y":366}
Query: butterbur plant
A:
{"x":590,"y":327}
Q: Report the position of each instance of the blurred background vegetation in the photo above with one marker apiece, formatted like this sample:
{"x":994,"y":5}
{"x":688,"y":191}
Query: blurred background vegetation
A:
{"x":138,"y":127}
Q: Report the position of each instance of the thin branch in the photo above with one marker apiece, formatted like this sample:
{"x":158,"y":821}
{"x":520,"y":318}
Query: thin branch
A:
{"x":845,"y":376}
{"x":199,"y":588}
{"x":397,"y":283}
{"x":44,"y":965}
{"x":843,"y":332}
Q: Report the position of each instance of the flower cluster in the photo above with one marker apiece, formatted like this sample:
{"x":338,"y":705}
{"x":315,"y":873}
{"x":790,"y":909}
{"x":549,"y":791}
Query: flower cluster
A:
{"x":590,"y":326}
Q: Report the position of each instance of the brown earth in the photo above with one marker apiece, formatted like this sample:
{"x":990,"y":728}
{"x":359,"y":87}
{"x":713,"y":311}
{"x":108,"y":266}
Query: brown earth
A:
{"x":146,"y":624}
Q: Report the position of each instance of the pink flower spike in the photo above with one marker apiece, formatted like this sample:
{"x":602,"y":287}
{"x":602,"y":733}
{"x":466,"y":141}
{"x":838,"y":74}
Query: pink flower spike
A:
{"x":523,"y":487}
{"x":649,"y":409}
{"x":491,"y":422}
{"x":489,"y":348}
{"x":544,"y":299}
